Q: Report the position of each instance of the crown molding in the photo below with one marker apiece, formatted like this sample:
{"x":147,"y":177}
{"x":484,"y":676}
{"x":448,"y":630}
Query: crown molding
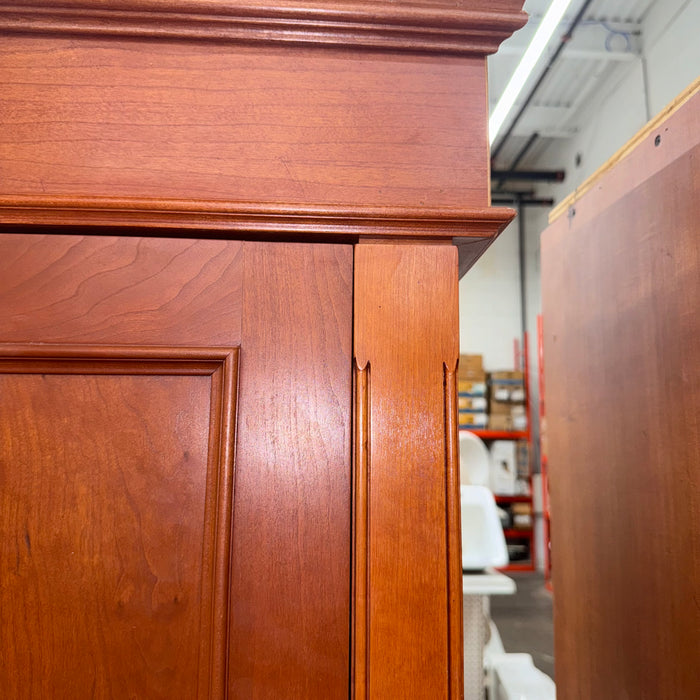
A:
{"x":437,"y":27}
{"x":253,"y":220}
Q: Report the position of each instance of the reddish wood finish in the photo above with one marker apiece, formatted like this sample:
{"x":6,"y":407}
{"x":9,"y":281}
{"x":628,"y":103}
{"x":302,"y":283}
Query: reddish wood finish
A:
{"x":408,"y":613}
{"x":306,"y":124}
{"x":621,"y":289}
{"x":115,"y":558}
{"x":110,"y":290}
{"x":290,"y":616}
{"x":472,"y":228}
{"x":243,"y":123}
{"x":444,"y":26}
{"x":453,"y":514}
{"x":116,"y":499}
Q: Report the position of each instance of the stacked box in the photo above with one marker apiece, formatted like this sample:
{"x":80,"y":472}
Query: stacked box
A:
{"x":472,"y":402}
{"x":522,"y":459}
{"x":507,"y":409}
{"x":500,"y":421}
{"x":471,"y":387}
{"x":522,"y":515}
{"x":503,"y":467}
{"x":473,"y":419}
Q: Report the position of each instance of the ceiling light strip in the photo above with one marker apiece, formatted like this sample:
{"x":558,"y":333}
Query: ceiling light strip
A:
{"x":532,"y":54}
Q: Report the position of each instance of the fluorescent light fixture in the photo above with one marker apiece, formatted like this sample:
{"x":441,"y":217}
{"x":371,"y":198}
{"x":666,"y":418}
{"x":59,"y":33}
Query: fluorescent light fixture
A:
{"x":544,"y":32}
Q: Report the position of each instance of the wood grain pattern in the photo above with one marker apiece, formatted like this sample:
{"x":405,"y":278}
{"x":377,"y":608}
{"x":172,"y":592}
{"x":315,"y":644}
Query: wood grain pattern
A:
{"x":107,"y":301}
{"x":200,"y":121}
{"x":445,"y":27}
{"x":310,"y":123}
{"x":127,"y":291}
{"x":621,"y":289}
{"x":290,"y":615}
{"x":290,"y":588}
{"x":360,"y":541}
{"x":471,"y":229}
{"x":453,"y":535}
{"x":253,"y":220}
{"x":406,"y":332}
{"x":115,"y":513}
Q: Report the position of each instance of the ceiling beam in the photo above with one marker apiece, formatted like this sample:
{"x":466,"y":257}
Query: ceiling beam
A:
{"x":529,"y":175}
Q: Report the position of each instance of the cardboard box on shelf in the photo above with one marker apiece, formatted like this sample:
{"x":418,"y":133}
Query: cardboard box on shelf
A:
{"x":475,"y":386}
{"x":500,"y":421}
{"x":503,"y":474}
{"x":469,"y":365}
{"x":506,"y":386}
{"x":500,"y":407}
{"x":499,"y":393}
{"x":519,"y":417}
{"x":522,"y":515}
{"x":517,"y":393}
{"x":514,"y":420}
{"x":506,"y":376}
{"x":467,"y":402}
{"x":472,"y":419}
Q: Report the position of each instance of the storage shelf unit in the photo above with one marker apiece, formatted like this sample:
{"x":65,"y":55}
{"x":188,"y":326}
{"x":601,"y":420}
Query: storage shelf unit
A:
{"x":514,"y":535}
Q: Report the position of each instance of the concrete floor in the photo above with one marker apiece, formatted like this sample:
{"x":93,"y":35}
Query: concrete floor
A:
{"x":524,"y":620}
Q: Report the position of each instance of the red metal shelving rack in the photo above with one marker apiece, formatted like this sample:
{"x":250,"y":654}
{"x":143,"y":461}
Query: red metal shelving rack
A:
{"x":485,"y":434}
{"x":522,"y":498}
{"x":546,"y":517}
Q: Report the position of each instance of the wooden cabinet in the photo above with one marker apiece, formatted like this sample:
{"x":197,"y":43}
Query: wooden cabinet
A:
{"x":231,"y":238}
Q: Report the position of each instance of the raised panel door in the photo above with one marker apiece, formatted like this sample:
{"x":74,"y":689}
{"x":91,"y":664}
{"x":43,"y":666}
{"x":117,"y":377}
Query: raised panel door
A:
{"x":160,"y":524}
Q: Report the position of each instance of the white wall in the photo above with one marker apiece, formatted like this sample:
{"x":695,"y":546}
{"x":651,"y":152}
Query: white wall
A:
{"x":489,"y":303}
{"x":672,"y":49}
{"x":632,"y":94}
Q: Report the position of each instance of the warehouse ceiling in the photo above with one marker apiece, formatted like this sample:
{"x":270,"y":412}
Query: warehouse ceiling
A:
{"x":606,"y":33}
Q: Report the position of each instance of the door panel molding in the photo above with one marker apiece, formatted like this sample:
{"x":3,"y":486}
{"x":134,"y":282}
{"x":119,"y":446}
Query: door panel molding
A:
{"x":17,"y":364}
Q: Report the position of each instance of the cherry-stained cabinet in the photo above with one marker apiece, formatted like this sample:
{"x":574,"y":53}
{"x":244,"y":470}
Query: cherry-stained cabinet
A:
{"x":230,"y":241}
{"x":158,"y":395}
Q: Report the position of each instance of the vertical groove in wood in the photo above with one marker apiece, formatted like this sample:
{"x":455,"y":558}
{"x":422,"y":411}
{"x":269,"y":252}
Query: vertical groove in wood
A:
{"x":360,"y":612}
{"x":453,"y":534}
{"x":225,"y":440}
{"x":406,"y":329}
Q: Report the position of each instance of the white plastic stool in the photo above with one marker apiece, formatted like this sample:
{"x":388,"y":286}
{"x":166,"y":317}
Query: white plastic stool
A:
{"x":517,"y":678}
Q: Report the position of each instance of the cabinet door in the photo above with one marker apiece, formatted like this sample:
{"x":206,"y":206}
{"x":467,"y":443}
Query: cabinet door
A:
{"x":174,"y":468}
